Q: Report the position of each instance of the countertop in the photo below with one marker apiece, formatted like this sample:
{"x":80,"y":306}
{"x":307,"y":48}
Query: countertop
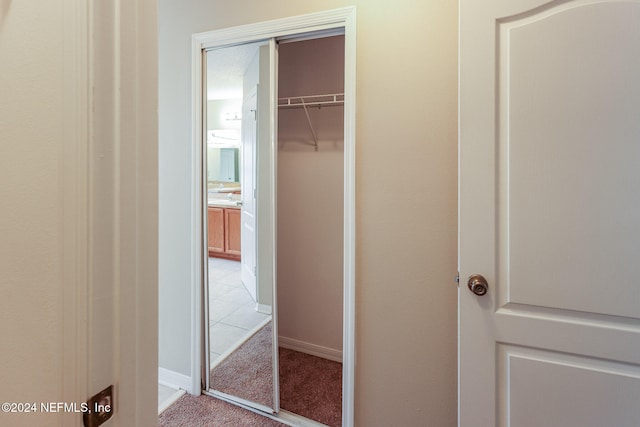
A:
{"x":222,"y":189}
{"x":223,"y":203}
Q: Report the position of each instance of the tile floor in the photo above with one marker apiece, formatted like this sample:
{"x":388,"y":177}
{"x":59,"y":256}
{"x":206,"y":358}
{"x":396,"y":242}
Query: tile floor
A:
{"x":164,"y":393}
{"x":166,"y":396}
{"x":232,"y":314}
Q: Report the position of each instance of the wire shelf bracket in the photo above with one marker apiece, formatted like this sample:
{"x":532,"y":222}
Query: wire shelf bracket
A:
{"x":329,"y":100}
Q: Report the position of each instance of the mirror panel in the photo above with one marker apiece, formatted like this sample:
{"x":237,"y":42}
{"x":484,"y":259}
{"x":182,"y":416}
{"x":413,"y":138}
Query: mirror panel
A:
{"x":223,"y":166}
{"x":240,"y":322}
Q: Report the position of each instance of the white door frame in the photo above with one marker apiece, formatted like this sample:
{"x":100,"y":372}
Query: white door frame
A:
{"x":110,"y":120}
{"x":75,"y":192}
{"x":338,"y":18}
{"x":248,"y":240}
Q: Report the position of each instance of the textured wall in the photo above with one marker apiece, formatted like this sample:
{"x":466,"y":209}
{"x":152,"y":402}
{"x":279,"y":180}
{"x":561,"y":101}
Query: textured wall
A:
{"x":31,"y":137}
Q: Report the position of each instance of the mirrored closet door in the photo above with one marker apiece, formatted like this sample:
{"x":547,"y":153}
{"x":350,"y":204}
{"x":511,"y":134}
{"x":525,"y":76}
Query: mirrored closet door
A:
{"x":273,"y":192}
{"x":241,"y":347}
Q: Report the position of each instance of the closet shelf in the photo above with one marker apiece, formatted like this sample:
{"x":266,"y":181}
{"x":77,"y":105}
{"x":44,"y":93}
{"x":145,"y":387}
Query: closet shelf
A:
{"x":305,"y":102}
{"x":329,"y":100}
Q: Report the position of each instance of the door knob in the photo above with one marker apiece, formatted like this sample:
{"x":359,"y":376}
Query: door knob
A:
{"x":478,"y":284}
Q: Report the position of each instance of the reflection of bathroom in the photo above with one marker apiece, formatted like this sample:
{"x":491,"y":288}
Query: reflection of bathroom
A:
{"x":224,"y":119}
{"x":233,"y":314}
{"x":223,"y":177}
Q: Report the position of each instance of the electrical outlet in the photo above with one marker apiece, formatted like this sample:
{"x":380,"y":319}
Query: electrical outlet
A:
{"x":100,"y":408}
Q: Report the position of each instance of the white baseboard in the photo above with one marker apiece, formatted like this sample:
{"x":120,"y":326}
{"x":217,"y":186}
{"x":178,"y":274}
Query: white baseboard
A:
{"x":174,"y":379}
{"x":312,"y":349}
{"x":263,"y":308}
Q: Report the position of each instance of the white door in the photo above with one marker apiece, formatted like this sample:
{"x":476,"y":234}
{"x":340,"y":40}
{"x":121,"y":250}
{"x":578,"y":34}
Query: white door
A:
{"x":550,"y":213}
{"x":248,"y":183}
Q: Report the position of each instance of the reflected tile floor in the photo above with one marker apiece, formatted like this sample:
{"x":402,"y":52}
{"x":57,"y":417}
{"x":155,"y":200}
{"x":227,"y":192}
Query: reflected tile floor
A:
{"x":232,"y":314}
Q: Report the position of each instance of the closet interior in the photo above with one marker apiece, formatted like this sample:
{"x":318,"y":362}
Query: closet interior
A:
{"x":310,"y":226}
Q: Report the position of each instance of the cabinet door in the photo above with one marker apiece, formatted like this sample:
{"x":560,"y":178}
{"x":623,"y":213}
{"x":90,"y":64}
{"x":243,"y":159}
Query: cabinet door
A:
{"x":215,"y":218}
{"x":232,"y":237}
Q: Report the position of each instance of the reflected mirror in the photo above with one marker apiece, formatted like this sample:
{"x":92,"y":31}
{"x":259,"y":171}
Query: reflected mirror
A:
{"x":223,"y":166}
{"x":241,"y":349}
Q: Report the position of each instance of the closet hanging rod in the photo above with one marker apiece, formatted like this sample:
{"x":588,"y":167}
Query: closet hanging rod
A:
{"x":328,"y":100}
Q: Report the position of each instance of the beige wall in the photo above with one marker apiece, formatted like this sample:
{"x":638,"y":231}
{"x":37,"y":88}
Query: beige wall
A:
{"x":31,"y":140}
{"x":310,"y":195}
{"x":405,"y":195}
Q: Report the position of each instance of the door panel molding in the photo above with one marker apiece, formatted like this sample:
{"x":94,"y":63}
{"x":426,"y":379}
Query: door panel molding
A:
{"x":547,"y":185}
{"x":532,"y":155}
{"x":562,"y":376}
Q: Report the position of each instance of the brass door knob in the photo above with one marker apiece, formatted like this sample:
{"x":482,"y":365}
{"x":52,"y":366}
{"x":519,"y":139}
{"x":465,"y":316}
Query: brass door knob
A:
{"x":478,"y":284}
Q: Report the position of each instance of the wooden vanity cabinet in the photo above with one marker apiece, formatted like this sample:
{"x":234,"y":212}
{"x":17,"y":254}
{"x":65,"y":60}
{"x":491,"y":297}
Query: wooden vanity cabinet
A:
{"x":232,"y":231}
{"x":215,"y":223}
{"x":224,"y":232}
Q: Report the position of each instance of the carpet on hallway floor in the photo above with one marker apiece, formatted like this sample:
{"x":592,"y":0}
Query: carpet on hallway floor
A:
{"x":310,"y":386}
{"x":207,"y":411}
